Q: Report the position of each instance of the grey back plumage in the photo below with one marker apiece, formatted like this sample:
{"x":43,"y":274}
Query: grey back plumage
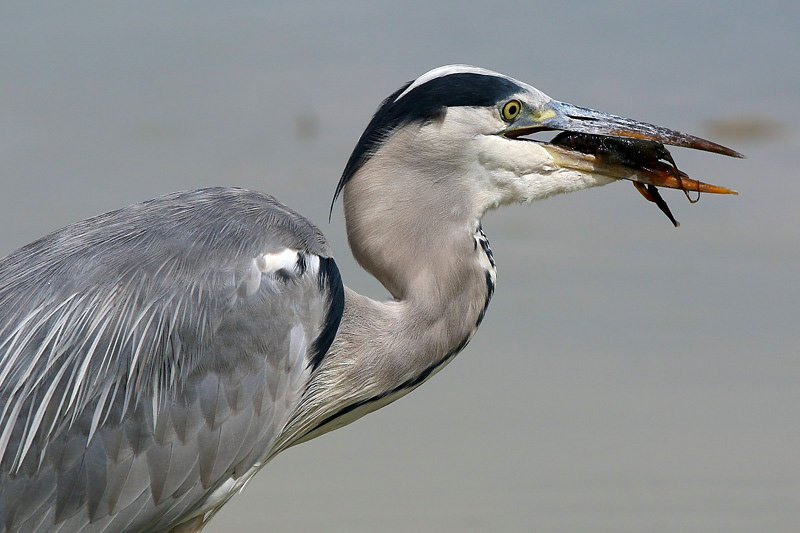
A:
{"x":135,"y":345}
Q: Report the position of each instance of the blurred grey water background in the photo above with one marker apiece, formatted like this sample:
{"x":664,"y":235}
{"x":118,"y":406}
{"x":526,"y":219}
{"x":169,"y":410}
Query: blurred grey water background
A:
{"x":628,"y":377}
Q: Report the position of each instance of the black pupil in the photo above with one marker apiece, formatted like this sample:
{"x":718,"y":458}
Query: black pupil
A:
{"x":512,"y":109}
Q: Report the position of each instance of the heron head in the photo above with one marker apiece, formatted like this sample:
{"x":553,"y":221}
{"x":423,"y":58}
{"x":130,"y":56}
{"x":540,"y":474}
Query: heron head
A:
{"x":470,"y":128}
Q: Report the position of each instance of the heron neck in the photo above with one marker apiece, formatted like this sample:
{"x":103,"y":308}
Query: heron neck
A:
{"x":385,"y":349}
{"x":420,"y":236}
{"x":441,"y":279}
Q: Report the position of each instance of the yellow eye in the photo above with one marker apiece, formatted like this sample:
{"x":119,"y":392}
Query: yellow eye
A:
{"x":511,"y":109}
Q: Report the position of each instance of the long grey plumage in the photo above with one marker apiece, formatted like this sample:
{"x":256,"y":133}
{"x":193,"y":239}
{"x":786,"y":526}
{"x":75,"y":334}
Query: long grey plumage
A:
{"x":128,"y":369}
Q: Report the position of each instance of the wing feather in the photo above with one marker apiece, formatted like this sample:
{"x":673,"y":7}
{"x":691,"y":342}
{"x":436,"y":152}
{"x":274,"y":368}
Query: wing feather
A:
{"x":149,"y":357}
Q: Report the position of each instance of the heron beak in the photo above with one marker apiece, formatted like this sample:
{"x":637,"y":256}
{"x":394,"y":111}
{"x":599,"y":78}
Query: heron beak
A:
{"x":617,"y":147}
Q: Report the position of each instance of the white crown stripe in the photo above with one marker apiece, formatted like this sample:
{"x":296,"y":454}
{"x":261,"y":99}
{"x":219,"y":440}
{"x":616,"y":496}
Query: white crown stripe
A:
{"x":447,"y":71}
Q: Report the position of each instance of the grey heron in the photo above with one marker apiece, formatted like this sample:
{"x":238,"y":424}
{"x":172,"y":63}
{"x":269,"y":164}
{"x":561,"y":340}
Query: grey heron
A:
{"x":154,"y":358}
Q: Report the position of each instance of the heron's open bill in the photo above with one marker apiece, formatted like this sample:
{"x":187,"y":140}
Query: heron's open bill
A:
{"x":621,"y":148}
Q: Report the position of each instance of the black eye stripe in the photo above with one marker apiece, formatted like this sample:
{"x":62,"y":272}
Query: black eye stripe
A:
{"x":423,"y":102}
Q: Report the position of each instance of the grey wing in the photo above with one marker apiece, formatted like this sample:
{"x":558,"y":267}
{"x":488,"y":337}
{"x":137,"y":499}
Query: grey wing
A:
{"x":149,"y":358}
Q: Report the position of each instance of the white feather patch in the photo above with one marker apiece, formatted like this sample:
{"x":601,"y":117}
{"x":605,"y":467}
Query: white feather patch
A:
{"x":286,"y":259}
